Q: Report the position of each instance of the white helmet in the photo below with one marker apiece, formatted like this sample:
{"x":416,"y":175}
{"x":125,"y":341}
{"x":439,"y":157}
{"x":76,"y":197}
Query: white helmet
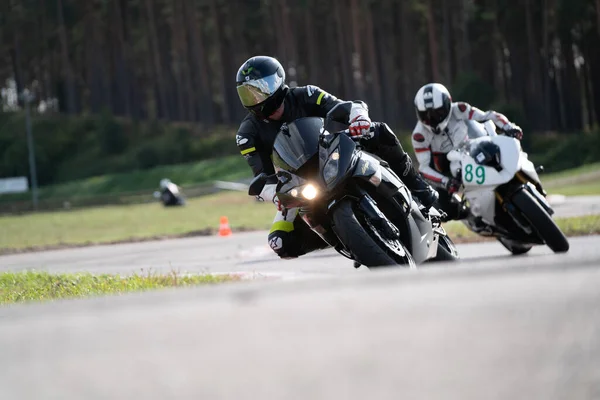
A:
{"x":164,"y":183}
{"x":433,"y":104}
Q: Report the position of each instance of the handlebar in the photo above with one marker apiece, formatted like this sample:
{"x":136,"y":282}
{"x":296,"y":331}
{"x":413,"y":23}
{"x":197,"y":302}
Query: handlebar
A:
{"x":356,"y":137}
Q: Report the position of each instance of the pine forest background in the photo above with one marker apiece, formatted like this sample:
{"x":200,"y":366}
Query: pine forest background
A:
{"x":124,"y":82}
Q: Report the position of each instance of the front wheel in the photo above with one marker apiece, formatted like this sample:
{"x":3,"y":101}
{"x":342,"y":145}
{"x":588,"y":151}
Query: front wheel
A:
{"x":541,"y":222}
{"x":367,"y":245}
{"x":446,"y":250}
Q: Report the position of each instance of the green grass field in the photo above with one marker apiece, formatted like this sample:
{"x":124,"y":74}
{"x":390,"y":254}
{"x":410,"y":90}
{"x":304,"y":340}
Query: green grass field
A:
{"x":118,"y":223}
{"x":579,"y":181}
{"x":225,"y":168}
{"x":146,"y":221}
{"x":574,"y":182}
{"x":574,"y":226}
{"x":43,"y":286}
{"x":201,"y":215}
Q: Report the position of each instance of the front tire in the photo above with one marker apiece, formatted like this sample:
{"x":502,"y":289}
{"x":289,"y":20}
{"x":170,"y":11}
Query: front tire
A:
{"x":446,"y":250}
{"x":541,"y":222}
{"x":367,"y":247}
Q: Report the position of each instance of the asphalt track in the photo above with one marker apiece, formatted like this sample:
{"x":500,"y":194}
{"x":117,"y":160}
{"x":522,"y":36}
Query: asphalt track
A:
{"x":491,"y":327}
{"x":245,"y":253}
{"x":574,"y":206}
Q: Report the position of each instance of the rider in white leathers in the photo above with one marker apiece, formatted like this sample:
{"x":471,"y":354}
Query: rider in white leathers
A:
{"x":441,"y":128}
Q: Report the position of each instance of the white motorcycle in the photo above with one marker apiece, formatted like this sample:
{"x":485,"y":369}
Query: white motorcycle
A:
{"x":503,"y":192}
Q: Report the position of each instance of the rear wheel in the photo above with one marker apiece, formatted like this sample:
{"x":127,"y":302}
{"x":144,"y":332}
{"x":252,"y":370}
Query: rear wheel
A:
{"x":541,"y":222}
{"x":367,"y":245}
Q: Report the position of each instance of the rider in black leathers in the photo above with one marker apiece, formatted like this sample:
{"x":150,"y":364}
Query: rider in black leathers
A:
{"x":270,"y":102}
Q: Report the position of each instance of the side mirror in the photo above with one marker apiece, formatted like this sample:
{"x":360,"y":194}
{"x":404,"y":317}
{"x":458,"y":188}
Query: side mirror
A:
{"x":257,"y":184}
{"x":339,"y":113}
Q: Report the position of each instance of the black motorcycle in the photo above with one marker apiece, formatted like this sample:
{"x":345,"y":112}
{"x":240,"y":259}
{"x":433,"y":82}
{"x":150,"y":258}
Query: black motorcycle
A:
{"x":352,"y":199}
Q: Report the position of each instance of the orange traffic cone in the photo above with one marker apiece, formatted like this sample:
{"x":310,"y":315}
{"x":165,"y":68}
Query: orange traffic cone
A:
{"x":224,"y":228}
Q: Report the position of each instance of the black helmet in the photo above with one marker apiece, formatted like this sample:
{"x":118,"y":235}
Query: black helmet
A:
{"x":261,"y":85}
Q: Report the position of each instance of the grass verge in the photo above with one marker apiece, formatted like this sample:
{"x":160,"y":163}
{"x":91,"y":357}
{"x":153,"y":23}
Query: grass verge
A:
{"x":224,"y":168}
{"x":580,"y":181}
{"x":132,"y":223}
{"x":105,"y":225}
{"x":572,"y":226}
{"x":27,"y":286}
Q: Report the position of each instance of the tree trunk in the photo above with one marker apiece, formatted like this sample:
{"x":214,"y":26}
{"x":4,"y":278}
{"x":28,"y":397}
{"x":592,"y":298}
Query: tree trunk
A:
{"x":589,"y":93}
{"x":449,"y":73}
{"x":501,"y":76}
{"x":410,"y":61}
{"x":594,"y":60}
{"x":288,"y":40}
{"x":95,"y":76}
{"x":598,"y":16}
{"x":69,"y":80}
{"x":385,"y":47}
{"x":571,"y":85}
{"x":548,"y":114}
{"x":465,"y":44}
{"x":178,"y":61}
{"x":357,"y":56}
{"x":533,"y":84}
{"x":222,"y":55}
{"x":329,"y":58}
{"x":373,"y":73}
{"x":202,"y":85}
{"x":313,"y":66}
{"x":159,"y":78}
{"x":186,"y":62}
{"x":13,"y":31}
{"x":44,"y":91}
{"x":123,"y":84}
{"x":343,"y":48}
{"x":433,"y":45}
{"x":587,"y":102}
{"x":15,"y":56}
{"x":166,"y":60}
{"x":278,"y":35}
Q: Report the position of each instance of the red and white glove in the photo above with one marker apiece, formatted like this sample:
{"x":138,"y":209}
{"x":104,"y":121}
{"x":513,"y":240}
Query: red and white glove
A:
{"x":513,"y":130}
{"x":453,"y":185}
{"x":278,"y":204}
{"x":268,"y":194}
{"x":360,"y":123}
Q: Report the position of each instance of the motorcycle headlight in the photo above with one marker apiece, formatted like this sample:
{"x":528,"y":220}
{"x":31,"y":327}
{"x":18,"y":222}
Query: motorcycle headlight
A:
{"x":309,"y":192}
{"x":330,"y":170}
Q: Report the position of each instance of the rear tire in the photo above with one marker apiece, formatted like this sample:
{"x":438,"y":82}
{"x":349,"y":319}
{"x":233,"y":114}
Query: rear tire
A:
{"x":365,"y":245}
{"x":541,"y":222}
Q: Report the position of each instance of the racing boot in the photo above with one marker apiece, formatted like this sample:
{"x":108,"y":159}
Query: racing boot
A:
{"x":387,"y":146}
{"x":422,"y":190}
{"x":402,"y":165}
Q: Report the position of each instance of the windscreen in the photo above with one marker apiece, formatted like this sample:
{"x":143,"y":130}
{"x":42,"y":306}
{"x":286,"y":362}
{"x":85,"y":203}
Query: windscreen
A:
{"x":475,"y":129}
{"x":297,"y":144}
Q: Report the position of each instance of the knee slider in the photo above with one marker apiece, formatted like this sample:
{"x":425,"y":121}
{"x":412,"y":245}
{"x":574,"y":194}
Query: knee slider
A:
{"x":284,"y":245}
